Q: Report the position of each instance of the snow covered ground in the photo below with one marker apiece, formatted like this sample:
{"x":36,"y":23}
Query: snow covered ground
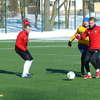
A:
{"x":51,"y":35}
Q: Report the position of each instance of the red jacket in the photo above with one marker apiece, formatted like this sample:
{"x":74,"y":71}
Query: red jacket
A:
{"x":94,"y":37}
{"x":22,"y":40}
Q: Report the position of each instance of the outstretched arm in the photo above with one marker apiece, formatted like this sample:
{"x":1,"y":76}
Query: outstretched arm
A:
{"x":82,"y":36}
{"x":72,"y":39}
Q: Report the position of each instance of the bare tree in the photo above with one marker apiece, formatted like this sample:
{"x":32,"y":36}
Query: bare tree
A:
{"x":21,"y":4}
{"x":35,"y":5}
{"x":13,"y":7}
{"x":46,"y":15}
{"x":84,"y":8}
{"x":50,"y":21}
{"x":2,"y":14}
{"x":37,"y":10}
{"x":54,"y":14}
{"x":67,"y":5}
{"x":66,"y":13}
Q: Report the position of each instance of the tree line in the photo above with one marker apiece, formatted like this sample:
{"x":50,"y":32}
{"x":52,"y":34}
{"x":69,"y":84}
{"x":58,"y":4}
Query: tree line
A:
{"x":11,"y":8}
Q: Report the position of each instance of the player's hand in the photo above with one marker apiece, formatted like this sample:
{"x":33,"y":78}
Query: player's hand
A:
{"x":78,"y":36}
{"x":69,"y":43}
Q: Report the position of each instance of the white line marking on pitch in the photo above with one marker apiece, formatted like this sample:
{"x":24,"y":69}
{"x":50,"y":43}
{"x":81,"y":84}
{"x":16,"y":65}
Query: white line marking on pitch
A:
{"x":55,"y":54}
{"x":47,"y":46}
{"x":37,"y":47}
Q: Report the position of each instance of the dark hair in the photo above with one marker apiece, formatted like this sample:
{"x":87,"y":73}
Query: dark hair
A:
{"x":26,"y":25}
{"x":92,"y":18}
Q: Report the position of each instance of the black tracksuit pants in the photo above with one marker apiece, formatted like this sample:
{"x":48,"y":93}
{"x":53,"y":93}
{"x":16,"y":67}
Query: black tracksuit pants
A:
{"x":92,"y":56}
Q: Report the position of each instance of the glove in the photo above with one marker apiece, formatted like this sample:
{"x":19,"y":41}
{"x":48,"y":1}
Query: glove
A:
{"x":78,"y":36}
{"x":69,"y":43}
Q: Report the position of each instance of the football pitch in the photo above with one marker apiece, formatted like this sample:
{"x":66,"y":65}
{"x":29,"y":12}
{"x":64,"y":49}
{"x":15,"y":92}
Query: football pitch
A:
{"x":52,"y":61}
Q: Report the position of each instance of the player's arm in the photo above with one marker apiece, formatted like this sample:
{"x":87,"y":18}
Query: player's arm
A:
{"x":72,"y":39}
{"x":82,"y":36}
{"x":23,"y":38}
{"x":21,"y":45}
{"x":25,"y":41}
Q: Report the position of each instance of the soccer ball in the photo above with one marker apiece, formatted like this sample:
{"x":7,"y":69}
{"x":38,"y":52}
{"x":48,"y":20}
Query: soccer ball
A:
{"x":70,"y":75}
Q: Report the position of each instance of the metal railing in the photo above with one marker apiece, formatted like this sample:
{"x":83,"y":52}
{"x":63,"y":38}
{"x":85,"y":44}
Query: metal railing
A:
{"x":11,"y":16}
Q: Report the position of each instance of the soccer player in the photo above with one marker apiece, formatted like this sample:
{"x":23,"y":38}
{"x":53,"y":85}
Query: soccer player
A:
{"x":93,"y":53}
{"x":21,"y":49}
{"x":83,"y":43}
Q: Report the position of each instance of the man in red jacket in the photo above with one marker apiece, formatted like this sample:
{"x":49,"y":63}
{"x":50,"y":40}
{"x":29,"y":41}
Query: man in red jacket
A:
{"x":93,"y":53}
{"x":21,"y":49}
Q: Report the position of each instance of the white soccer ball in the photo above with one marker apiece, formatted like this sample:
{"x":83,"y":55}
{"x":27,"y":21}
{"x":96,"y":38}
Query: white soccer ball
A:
{"x":70,"y":75}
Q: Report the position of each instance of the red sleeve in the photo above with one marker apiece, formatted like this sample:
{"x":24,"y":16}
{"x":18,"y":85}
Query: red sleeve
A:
{"x":22,"y":41}
{"x":24,"y":38}
{"x":85,"y":34}
{"x":19,"y":39}
{"x":82,"y":36}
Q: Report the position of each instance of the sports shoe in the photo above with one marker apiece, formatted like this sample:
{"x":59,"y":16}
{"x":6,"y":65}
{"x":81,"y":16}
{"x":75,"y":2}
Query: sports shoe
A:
{"x":87,"y":76}
{"x":97,"y":74}
{"x":29,"y":75}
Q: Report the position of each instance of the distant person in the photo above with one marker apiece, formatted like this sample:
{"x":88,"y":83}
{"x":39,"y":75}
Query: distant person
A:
{"x":93,"y":53}
{"x":83,"y":43}
{"x":21,"y":49}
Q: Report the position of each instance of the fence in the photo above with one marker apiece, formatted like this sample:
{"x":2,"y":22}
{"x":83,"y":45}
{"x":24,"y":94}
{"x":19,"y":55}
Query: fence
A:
{"x":68,"y":14}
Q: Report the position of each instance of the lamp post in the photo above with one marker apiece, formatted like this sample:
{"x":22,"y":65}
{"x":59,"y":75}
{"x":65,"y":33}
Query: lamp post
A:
{"x":74,"y":14}
{"x":91,"y":5}
{"x":58,"y":15}
{"x":42,"y":14}
{"x":5,"y":16}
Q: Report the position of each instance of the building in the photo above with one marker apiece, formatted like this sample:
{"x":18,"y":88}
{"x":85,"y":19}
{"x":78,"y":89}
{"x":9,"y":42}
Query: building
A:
{"x":97,"y":7}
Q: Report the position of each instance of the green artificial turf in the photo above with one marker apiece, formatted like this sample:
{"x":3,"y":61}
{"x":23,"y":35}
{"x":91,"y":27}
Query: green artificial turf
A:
{"x":52,"y":61}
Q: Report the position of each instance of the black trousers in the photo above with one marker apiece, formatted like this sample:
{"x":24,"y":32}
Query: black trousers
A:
{"x":92,"y":56}
{"x":83,"y":62}
{"x":83,"y":49}
{"x":24,"y":54}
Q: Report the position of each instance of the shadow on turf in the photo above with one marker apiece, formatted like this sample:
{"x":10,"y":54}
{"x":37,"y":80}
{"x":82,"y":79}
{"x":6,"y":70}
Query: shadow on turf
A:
{"x":78,"y":74}
{"x":8,"y":72}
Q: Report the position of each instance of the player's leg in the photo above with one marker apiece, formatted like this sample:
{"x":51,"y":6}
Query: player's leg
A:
{"x":28,"y":61}
{"x":87,"y":67}
{"x":21,"y":53}
{"x":83,"y":50}
{"x":98,"y":59}
{"x":98,"y":64}
{"x":27,"y":64}
{"x":95,"y":60}
{"x":80,"y":47}
{"x":82,"y":63}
